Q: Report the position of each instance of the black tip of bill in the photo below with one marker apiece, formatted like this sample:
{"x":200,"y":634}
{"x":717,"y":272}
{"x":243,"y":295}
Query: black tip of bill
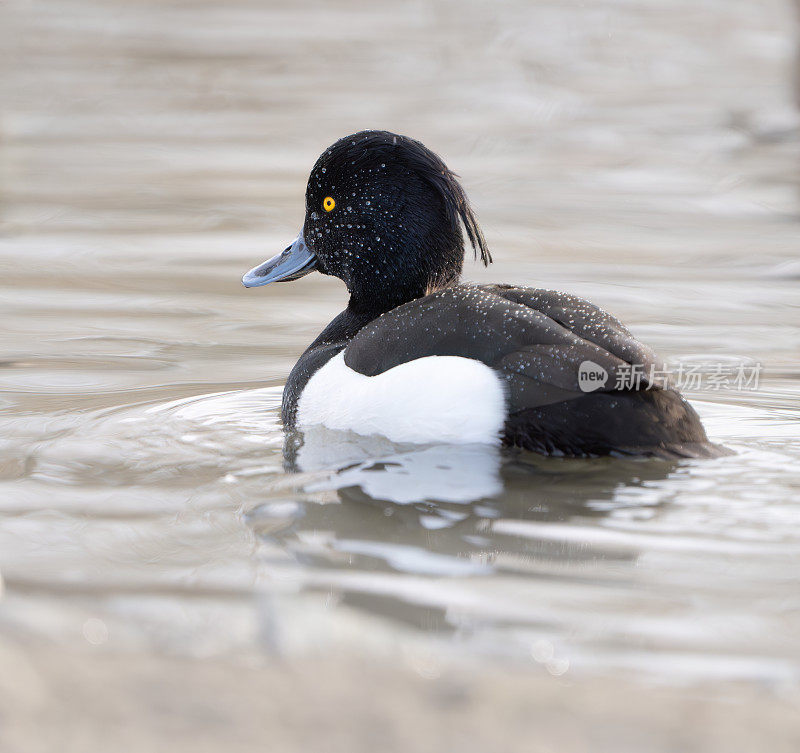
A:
{"x":291,"y":264}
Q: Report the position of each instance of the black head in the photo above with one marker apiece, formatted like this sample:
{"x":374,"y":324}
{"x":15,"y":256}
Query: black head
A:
{"x":385,"y":215}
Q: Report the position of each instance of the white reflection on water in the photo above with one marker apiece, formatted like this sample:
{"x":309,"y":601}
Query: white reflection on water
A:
{"x":444,"y":473}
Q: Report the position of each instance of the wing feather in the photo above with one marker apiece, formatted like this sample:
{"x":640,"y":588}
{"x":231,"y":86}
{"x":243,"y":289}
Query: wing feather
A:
{"x":535,"y":339}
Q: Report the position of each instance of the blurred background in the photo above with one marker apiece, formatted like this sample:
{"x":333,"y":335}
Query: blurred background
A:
{"x":171,"y":583}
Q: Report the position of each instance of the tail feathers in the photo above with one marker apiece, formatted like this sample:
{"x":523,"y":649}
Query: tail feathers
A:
{"x":650,"y":423}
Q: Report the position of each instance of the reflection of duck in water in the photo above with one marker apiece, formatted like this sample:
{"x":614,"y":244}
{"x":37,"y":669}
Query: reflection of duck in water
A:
{"x":397,"y":473}
{"x":446,"y":494}
{"x":446,"y":511}
{"x":419,"y":357}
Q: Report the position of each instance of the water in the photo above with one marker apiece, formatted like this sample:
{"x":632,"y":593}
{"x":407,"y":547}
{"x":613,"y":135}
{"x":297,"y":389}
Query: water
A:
{"x":151,"y":504}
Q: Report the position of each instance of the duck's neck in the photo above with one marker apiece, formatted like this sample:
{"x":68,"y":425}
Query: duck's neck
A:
{"x":370,"y":302}
{"x":368,"y":307}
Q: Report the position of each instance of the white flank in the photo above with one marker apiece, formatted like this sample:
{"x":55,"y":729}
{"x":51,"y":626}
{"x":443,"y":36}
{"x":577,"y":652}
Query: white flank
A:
{"x":442,"y":399}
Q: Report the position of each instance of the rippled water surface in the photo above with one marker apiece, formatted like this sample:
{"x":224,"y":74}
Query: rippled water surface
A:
{"x":151,"y":153}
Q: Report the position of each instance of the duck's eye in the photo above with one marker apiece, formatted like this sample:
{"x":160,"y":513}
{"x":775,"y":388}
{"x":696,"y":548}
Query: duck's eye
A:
{"x":328,"y":203}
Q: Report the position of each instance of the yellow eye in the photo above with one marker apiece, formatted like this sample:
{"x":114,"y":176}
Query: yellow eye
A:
{"x":328,"y":203}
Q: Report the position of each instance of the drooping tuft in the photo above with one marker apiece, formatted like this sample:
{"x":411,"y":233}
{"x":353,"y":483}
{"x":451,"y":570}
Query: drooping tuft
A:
{"x":458,"y":206}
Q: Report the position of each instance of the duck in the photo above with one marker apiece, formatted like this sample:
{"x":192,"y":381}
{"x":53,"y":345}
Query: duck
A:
{"x":420,"y":356}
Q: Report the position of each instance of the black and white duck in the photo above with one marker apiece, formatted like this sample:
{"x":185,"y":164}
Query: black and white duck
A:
{"x":420,"y":356}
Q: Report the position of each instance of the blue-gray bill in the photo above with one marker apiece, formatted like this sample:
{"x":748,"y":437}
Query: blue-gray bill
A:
{"x":292,"y":263}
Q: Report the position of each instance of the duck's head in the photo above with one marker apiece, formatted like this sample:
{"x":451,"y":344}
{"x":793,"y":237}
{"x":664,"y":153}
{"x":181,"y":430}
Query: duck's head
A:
{"x":384,"y":214}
